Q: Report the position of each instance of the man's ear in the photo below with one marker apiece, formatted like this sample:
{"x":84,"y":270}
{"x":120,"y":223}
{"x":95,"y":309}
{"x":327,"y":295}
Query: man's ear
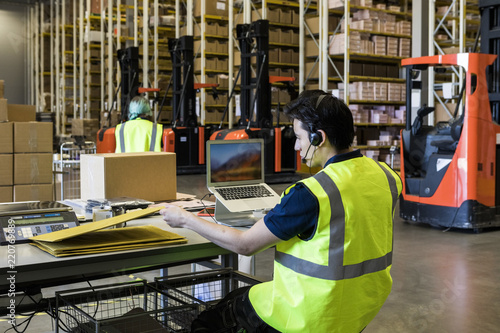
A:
{"x":323,"y":137}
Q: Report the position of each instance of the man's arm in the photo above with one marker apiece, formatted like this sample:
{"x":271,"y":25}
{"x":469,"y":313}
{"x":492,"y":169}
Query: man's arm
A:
{"x":248,"y":242}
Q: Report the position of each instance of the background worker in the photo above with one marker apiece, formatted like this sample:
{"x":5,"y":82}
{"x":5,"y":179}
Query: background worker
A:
{"x":139,"y":133}
{"x":332,"y":231}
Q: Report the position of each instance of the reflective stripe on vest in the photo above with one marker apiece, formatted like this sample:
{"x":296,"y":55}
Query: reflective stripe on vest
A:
{"x":152,"y":144}
{"x":335,"y":269}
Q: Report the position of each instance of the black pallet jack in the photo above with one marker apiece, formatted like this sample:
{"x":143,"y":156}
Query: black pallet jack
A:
{"x":255,"y":98}
{"x":185,"y":135}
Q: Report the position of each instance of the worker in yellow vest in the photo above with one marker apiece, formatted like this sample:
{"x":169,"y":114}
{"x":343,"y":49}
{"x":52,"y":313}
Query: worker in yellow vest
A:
{"x":138,"y":134}
{"x":333,"y":234}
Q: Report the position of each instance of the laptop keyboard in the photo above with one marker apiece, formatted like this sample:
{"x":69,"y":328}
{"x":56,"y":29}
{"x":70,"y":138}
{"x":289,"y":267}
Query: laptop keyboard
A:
{"x":244,"y":192}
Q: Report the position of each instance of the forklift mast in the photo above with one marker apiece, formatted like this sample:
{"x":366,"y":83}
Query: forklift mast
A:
{"x":129,"y":64}
{"x":247,"y":34}
{"x":184,"y":94}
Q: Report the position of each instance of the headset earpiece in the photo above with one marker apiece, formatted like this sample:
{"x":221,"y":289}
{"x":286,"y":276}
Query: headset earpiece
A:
{"x":315,"y":138}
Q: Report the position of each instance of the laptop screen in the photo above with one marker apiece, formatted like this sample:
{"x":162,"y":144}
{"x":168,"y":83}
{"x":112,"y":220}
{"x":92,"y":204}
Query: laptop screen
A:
{"x":235,"y":162}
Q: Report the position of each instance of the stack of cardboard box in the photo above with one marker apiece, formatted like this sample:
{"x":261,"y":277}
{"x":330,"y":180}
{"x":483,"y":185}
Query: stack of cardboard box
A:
{"x":6,"y":161}
{"x":32,"y":161}
{"x":25,"y":154}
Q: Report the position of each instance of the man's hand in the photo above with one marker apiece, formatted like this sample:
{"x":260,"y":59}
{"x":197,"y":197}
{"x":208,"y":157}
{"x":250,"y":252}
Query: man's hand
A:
{"x":175,"y":216}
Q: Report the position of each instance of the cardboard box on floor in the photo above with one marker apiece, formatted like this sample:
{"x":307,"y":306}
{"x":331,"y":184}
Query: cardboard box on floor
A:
{"x":149,"y":176}
{"x":32,"y":137}
{"x":33,"y":192}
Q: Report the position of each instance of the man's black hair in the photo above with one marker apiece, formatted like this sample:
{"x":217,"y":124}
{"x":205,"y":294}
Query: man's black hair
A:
{"x":331,"y":115}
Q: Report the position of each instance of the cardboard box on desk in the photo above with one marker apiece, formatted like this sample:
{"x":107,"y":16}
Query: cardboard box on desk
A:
{"x":149,"y":176}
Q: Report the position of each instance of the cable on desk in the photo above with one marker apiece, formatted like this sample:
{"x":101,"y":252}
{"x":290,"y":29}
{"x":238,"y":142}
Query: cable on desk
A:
{"x":205,"y":207}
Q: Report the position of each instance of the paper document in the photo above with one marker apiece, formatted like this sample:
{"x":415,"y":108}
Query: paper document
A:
{"x":111,"y":240}
{"x":57,"y":236}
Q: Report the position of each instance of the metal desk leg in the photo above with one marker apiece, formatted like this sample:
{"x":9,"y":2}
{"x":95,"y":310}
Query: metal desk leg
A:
{"x":230,"y":260}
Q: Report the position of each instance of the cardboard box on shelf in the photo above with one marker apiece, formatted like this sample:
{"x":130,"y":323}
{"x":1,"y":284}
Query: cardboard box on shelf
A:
{"x":33,"y":192}
{"x":6,"y":169}
{"x":95,"y":6}
{"x":274,"y":55}
{"x":212,"y":7}
{"x":211,"y":28}
{"x":210,"y":45}
{"x":274,"y":35}
{"x":222,"y":29}
{"x":403,"y":27}
{"x":150,"y":176}
{"x":5,"y":193}
{"x":32,"y":168}
{"x":285,"y":56}
{"x":285,"y":15}
{"x":222,"y":64}
{"x":31,"y":137}
{"x":222,"y":46}
{"x":6,"y":138}
{"x":273,"y":15}
{"x":311,"y":48}
{"x":286,"y":36}
{"x":20,"y":112}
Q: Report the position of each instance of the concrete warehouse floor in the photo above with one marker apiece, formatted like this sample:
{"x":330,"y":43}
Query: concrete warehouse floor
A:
{"x":444,"y":281}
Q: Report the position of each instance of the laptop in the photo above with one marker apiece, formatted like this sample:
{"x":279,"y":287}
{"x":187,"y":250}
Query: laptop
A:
{"x":235,"y":175}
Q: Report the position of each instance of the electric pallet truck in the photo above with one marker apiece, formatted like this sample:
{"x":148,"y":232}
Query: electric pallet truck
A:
{"x":451,"y":171}
{"x":255,"y":98}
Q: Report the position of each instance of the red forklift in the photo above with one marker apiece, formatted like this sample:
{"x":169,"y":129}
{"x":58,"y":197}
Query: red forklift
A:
{"x":451,"y":171}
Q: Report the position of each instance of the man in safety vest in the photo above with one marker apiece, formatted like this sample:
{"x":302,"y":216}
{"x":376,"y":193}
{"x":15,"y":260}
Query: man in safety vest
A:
{"x":138,"y":134}
{"x":333,"y":234}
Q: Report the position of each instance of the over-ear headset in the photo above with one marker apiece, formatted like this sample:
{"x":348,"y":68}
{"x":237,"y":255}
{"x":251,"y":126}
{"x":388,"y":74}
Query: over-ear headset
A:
{"x":315,"y":136}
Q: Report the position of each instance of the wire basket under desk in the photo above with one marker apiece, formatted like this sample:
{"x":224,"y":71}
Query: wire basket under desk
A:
{"x":209,"y":286}
{"x":131,"y":307}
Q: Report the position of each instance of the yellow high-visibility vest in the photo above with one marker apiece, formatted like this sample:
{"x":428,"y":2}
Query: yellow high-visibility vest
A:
{"x":337,"y":280}
{"x":138,"y":135}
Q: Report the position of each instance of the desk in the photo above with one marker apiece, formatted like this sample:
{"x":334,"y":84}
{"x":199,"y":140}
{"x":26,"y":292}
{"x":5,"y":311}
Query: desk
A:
{"x":36,"y":268}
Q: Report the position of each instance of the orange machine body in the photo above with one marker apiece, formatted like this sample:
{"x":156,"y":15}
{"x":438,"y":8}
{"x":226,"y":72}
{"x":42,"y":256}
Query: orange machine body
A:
{"x":466,"y":195}
{"x":106,"y":142}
